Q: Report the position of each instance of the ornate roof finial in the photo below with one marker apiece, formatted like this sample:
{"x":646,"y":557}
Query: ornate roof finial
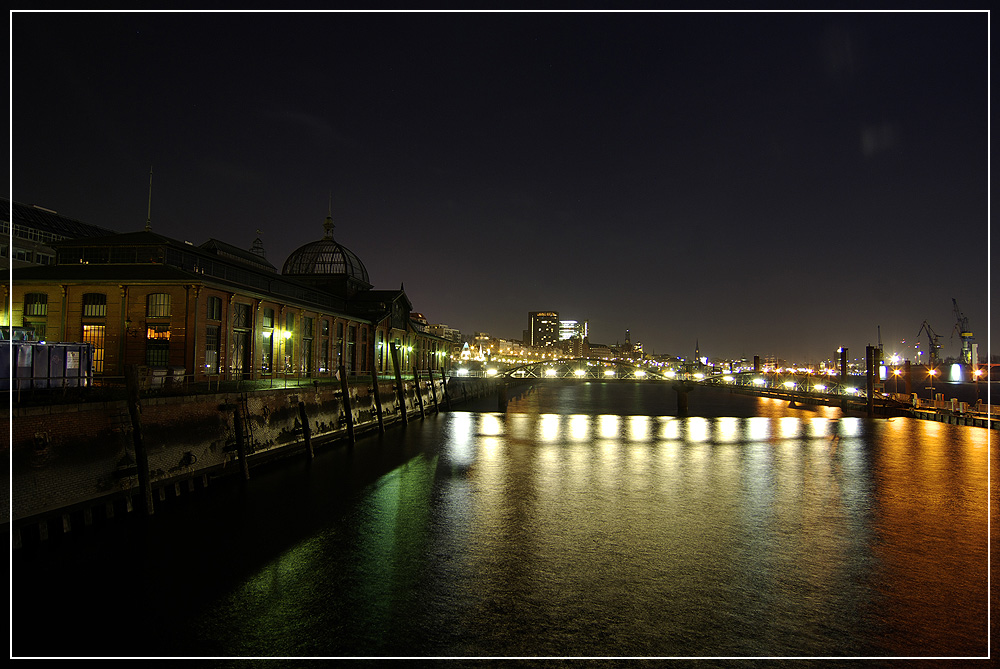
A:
{"x":258,"y":246}
{"x":328,"y":223}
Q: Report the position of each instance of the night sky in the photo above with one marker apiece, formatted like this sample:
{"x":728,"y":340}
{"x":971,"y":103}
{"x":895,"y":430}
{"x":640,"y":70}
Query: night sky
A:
{"x":762,"y":183}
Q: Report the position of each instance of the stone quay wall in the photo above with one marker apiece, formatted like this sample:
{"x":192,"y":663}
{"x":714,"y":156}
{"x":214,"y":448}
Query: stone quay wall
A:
{"x":72,"y":460}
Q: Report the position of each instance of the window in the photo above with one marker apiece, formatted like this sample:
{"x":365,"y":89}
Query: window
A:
{"x":290,"y":322}
{"x":94,"y":334}
{"x":95,"y":305}
{"x":212,"y":349}
{"x":157,"y":345}
{"x":267,"y":318}
{"x":325,"y":327}
{"x":266,"y":352}
{"x":307,"y":327}
{"x":241,"y":315}
{"x":214,"y":309}
{"x":158,"y":305}
{"x":36,"y":304}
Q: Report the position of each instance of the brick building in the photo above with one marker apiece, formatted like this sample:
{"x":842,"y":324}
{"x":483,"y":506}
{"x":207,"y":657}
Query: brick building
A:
{"x":218,"y":310}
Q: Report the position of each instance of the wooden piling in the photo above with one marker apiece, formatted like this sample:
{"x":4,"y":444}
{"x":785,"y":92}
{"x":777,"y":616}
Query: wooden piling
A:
{"x":399,"y":382}
{"x":306,"y":431}
{"x":434,"y":396}
{"x":378,"y":401}
{"x":141,"y":458}
{"x":345,"y":393}
{"x":444,"y":389}
{"x":419,"y":391}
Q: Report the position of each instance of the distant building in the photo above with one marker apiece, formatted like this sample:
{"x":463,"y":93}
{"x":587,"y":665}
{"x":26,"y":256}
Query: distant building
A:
{"x":543,"y":328}
{"x":572,"y":330}
{"x":598,"y":351}
{"x":442,"y":330}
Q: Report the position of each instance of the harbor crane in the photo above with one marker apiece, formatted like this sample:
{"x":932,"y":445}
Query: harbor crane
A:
{"x":933,"y":338}
{"x":962,"y":327}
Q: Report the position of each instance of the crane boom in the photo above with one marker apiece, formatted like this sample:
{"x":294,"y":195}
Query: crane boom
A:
{"x":933,"y":339}
{"x":962,"y":327}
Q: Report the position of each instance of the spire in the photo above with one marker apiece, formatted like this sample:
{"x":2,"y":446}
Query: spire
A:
{"x":328,"y":223}
{"x":149,"y":207}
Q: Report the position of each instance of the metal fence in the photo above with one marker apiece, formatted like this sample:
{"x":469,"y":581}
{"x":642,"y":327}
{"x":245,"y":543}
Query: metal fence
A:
{"x":158,"y":382}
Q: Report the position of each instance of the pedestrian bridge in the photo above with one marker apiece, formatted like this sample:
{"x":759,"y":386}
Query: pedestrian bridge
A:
{"x":580,"y":368}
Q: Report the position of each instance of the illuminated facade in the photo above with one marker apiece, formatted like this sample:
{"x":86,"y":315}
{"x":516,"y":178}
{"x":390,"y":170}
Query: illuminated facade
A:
{"x":215,"y":309}
{"x":572,"y":330}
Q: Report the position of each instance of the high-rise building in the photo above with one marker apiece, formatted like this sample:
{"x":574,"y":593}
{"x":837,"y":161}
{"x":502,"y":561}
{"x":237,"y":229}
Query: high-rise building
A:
{"x":572,"y":330}
{"x":543,"y":327}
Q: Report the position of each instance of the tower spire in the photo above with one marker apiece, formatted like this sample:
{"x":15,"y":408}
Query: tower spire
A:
{"x":149,"y":206}
{"x":328,"y":223}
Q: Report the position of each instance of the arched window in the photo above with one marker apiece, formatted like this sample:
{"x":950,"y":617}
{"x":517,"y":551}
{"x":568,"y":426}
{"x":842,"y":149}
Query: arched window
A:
{"x":36,"y":304}
{"x":95,"y":305}
{"x":158,"y":305}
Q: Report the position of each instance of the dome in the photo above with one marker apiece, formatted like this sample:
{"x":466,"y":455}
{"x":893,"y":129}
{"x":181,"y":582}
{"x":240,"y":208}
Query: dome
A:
{"x":325,"y":258}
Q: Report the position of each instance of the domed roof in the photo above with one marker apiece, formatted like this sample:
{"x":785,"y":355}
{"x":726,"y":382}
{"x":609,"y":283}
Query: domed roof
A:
{"x":325,"y":257}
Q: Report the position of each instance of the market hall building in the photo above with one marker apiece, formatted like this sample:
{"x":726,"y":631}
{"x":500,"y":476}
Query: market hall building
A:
{"x":218,"y":311}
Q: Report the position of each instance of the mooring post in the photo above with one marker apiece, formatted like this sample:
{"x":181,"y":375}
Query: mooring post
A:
{"x":434,"y":396}
{"x":399,"y":382}
{"x":306,"y":431}
{"x":444,"y":388}
{"x":419,"y":391}
{"x":241,"y":447}
{"x":870,"y":378}
{"x":346,"y":394}
{"x":378,"y":400}
{"x":682,"y":388}
{"x":141,"y":458}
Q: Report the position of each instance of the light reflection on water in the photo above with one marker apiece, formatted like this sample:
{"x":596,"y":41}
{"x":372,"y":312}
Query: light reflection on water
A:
{"x":559,"y":533}
{"x":613,"y":535}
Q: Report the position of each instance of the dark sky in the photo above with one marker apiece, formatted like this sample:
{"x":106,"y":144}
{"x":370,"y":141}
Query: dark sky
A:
{"x":763,"y":183}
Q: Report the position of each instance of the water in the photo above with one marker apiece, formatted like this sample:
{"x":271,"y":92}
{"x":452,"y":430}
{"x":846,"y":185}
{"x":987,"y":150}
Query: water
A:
{"x":586,"y":521}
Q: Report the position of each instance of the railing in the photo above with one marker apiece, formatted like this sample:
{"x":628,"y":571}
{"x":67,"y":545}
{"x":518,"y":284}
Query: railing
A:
{"x":162,"y":383}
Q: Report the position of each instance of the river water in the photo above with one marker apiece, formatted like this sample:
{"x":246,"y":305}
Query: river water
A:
{"x":588,"y":520}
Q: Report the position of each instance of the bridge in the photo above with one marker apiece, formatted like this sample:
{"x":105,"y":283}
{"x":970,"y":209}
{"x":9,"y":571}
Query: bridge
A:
{"x":580,"y":368}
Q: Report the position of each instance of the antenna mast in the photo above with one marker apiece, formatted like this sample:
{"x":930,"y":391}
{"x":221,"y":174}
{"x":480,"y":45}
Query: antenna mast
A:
{"x":149,"y":207}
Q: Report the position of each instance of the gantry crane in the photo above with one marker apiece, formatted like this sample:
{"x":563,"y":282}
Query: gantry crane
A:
{"x":962,"y":327}
{"x":933,"y":338}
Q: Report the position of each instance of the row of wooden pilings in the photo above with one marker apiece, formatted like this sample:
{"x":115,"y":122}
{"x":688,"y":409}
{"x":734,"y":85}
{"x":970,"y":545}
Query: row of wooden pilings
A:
{"x":240,"y":419}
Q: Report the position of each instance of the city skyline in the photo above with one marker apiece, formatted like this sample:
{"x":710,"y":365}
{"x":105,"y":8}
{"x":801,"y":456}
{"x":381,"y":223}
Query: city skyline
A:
{"x":761,"y":183}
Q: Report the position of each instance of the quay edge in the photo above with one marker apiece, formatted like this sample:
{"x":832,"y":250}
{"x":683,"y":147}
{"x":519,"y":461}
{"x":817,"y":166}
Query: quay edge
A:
{"x":74,"y":464}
